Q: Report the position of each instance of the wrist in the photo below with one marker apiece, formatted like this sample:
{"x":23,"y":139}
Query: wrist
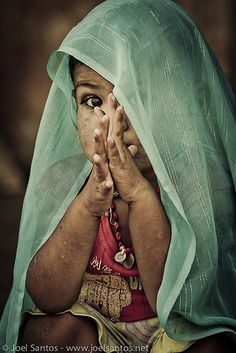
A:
{"x":95,"y":205}
{"x":142,"y":193}
{"x":85,"y":206}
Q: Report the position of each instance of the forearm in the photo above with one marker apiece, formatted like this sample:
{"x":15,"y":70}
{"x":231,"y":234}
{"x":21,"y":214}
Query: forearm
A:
{"x":56,"y":271}
{"x":150,"y":232}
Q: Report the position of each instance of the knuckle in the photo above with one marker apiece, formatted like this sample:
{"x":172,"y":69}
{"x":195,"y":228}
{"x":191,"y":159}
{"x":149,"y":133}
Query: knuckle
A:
{"x":118,"y":164}
{"x":120,"y":137}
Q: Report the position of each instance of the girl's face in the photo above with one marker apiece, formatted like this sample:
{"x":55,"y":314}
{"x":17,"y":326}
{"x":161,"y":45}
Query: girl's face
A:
{"x":92,"y":90}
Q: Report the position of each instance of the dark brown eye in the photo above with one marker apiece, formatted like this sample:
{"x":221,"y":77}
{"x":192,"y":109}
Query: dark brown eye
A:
{"x":92,"y":102}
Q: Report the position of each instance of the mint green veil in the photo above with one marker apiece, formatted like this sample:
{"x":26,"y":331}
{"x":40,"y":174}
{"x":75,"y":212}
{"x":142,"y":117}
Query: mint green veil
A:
{"x":183,"y":111}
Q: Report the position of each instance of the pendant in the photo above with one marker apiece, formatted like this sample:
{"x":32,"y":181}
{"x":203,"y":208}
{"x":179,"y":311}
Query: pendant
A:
{"x":129,"y":261}
{"x":120,"y":256}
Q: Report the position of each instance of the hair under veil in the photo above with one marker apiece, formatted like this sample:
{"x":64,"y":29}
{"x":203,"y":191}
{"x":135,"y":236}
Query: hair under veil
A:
{"x":183,"y":112}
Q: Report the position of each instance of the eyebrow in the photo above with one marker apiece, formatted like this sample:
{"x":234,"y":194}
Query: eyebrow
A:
{"x":87,"y":84}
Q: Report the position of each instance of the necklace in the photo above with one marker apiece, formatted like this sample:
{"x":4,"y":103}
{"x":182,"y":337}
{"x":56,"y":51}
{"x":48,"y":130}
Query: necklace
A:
{"x":124,"y":255}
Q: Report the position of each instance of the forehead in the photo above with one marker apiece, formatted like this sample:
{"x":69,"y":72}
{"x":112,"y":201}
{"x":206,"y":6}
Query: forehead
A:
{"x":83,"y":73}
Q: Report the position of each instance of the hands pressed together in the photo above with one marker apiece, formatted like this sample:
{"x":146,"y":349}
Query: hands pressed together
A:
{"x":114,"y":165}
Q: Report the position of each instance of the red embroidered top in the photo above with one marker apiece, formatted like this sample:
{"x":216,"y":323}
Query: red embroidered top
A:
{"x":113,"y":290}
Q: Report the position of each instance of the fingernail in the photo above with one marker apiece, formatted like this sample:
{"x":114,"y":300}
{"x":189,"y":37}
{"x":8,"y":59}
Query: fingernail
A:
{"x":109,"y":184}
{"x":96,"y":158}
{"x":112,"y":96}
{"x":111,"y":140}
{"x":96,"y":132}
{"x":104,"y":118}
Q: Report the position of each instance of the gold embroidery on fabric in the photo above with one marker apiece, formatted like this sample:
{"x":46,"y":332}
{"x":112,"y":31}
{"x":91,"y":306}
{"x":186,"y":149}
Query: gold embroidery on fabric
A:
{"x":135,"y":283}
{"x":106,"y":293}
{"x":96,"y":263}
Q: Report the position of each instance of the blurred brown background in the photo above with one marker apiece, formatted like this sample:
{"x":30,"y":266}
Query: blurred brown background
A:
{"x":31,"y":30}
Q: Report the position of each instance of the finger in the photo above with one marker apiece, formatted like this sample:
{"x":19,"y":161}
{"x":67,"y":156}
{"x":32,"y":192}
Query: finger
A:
{"x":99,"y":144}
{"x":117,"y":133}
{"x":112,"y":104}
{"x":100,"y":168}
{"x":107,"y":186}
{"x":99,"y":112}
{"x":104,"y":122}
{"x":102,"y":175}
{"x":113,"y":152}
{"x":104,"y":126}
{"x":118,"y":126}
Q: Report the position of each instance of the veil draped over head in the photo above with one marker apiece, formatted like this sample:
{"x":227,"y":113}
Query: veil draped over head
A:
{"x":183,"y":111}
